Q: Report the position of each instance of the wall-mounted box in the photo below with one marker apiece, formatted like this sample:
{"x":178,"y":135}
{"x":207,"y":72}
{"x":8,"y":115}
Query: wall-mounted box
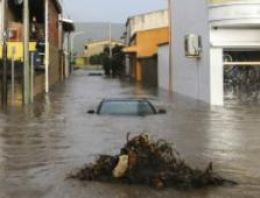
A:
{"x":193,"y":46}
{"x":15,"y":32}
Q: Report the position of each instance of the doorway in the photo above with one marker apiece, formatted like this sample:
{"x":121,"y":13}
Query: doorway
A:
{"x":242,"y":75}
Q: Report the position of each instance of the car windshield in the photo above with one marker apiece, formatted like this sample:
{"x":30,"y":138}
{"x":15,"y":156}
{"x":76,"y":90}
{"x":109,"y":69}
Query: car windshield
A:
{"x":126,"y":107}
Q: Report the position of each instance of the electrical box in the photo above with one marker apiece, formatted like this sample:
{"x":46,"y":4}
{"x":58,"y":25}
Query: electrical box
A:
{"x":15,"y":32}
{"x":193,"y":47}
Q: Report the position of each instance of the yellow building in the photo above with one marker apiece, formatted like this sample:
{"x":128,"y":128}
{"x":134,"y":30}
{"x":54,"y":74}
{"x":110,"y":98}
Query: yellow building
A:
{"x":144,"y":44}
{"x":80,"y":62}
{"x":144,"y":33}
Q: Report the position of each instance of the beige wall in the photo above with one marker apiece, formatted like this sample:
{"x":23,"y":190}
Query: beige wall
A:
{"x":147,"y":21}
{"x":98,"y":47}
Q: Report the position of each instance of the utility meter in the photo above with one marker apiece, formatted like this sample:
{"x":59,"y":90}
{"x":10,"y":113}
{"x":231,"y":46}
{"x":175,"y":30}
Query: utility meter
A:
{"x":193,"y":46}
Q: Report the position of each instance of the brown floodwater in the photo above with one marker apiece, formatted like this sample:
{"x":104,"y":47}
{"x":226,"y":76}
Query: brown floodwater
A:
{"x":41,"y":144}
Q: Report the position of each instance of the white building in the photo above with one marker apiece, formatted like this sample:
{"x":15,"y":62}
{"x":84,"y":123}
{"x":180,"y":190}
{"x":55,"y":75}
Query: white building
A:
{"x":163,"y":66}
{"x":147,"y":21}
{"x":210,"y":29}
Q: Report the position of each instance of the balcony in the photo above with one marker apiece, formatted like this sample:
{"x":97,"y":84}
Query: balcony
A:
{"x":234,"y":13}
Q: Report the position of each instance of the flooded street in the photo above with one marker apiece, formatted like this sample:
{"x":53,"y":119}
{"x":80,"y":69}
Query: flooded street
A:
{"x":42,"y":144}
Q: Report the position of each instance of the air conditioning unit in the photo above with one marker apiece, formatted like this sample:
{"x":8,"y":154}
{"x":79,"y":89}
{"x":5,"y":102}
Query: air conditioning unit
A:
{"x":193,"y":46}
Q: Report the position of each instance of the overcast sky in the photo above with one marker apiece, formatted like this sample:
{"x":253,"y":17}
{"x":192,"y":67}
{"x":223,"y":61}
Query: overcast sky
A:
{"x":109,"y":10}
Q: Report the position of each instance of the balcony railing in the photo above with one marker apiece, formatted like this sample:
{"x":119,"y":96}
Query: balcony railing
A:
{"x":234,"y":12}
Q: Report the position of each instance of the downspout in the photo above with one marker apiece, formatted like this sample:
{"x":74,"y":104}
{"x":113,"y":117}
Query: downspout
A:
{"x":61,"y":42}
{"x":60,"y":47}
{"x":170,"y":45}
{"x":70,"y":46}
{"x":26,"y":62}
{"x":47,"y":61}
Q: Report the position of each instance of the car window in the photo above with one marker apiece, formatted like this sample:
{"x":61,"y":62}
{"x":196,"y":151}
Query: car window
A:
{"x":126,"y":108}
{"x":145,"y":108}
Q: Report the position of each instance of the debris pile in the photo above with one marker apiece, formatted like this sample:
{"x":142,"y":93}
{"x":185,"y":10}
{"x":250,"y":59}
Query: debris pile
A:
{"x":145,"y":161}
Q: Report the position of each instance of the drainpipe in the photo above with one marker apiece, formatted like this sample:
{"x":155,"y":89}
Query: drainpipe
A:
{"x":70,"y":51}
{"x":67,"y":68}
{"x":170,"y":45}
{"x":47,"y":46}
{"x":61,"y":42}
{"x":26,"y":58}
{"x":61,"y":48}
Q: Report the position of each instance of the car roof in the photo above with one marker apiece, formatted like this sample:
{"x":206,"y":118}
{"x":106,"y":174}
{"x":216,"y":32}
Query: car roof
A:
{"x":125,"y":99}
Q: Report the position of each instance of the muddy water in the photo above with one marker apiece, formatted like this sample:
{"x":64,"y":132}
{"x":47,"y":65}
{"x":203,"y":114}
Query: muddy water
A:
{"x":41,"y":144}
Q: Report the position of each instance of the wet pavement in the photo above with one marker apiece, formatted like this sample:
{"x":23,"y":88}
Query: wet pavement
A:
{"x":42,"y":144}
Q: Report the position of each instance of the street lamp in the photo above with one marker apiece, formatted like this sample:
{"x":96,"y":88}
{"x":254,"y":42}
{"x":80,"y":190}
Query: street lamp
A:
{"x":73,"y":37}
{"x":71,"y":43}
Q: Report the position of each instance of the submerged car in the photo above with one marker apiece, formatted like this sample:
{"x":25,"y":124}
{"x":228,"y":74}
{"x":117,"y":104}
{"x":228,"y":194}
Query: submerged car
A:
{"x":96,"y":73}
{"x":129,"y":106}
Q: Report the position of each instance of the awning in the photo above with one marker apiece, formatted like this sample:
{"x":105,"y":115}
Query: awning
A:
{"x":130,"y":50}
{"x":68,"y":25}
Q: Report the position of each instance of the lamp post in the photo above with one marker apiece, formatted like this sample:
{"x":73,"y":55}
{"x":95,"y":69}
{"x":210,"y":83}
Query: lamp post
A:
{"x":110,"y":39}
{"x":72,"y":43}
{"x":73,"y":37}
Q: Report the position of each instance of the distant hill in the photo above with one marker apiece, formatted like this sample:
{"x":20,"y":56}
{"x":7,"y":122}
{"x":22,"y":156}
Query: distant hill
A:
{"x":95,"y":31}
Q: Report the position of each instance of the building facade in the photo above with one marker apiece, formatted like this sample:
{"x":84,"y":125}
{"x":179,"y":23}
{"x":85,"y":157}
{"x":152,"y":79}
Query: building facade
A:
{"x":97,"y":47}
{"x":45,"y":37}
{"x":163,"y":66}
{"x":224,"y":33}
{"x":144,"y":33}
{"x":94,"y":48}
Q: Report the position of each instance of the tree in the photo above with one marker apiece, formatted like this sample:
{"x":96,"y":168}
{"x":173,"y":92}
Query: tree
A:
{"x":106,"y":61}
{"x":118,"y":61}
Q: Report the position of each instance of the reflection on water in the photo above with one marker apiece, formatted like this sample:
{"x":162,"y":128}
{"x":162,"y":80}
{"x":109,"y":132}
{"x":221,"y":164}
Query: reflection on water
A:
{"x":242,"y":83}
{"x":41,"y":144}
